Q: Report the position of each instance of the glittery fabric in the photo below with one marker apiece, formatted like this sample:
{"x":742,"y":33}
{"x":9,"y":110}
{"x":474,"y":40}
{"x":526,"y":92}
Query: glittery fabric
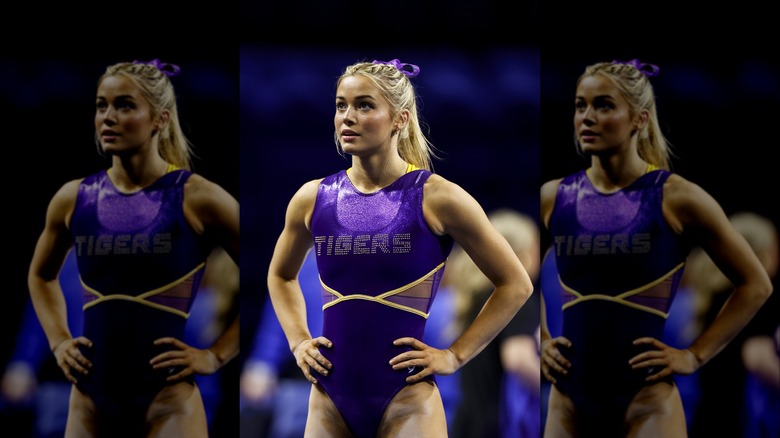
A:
{"x":140,"y":265}
{"x":380,"y":266}
{"x":620,"y":266}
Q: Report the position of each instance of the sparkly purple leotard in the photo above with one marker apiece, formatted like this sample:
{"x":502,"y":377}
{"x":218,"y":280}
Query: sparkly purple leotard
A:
{"x":140,"y":266}
{"x":380,"y":266}
{"x":620,"y":265}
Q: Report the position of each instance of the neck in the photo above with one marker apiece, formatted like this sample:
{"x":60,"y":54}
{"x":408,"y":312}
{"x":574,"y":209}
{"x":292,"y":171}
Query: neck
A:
{"x":613,"y":172}
{"x":369,"y":174}
{"x":134,"y":172}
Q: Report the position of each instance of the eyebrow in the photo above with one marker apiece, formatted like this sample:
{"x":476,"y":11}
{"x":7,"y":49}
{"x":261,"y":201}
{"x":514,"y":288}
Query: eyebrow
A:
{"x":600,"y":96}
{"x":122,"y":96}
{"x":365,"y":96}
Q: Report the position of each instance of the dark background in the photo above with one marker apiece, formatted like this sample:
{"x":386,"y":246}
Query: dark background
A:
{"x":48,"y":99}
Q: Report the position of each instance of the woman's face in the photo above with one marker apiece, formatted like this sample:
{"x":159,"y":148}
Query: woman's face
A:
{"x":602,"y":116}
{"x":124,"y":120}
{"x":363,"y":119}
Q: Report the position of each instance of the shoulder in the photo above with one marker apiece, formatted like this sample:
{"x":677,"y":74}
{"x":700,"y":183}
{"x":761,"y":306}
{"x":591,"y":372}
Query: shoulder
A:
{"x":547,"y":196}
{"x":441,"y":192}
{"x":197,"y":188}
{"x":307,"y":193}
{"x":67,"y":193}
{"x":686,"y":203}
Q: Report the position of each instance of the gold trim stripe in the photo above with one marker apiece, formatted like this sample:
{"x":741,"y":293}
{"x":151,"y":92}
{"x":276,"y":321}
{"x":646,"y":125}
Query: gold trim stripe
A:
{"x":141,"y":299}
{"x":380,"y":299}
{"x":621,"y":299}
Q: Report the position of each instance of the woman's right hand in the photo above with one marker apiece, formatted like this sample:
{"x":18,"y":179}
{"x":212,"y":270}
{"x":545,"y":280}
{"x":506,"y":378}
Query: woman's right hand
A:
{"x":308,"y":357}
{"x":70,"y":359}
{"x":552,"y":359}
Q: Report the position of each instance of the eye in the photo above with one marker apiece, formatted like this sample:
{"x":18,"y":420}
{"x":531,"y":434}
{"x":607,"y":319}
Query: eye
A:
{"x":100,"y":105}
{"x":580,"y":105}
{"x":365,"y":105}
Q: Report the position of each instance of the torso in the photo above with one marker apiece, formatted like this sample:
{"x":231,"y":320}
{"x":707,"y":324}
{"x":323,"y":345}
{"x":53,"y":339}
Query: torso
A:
{"x":380,"y":266}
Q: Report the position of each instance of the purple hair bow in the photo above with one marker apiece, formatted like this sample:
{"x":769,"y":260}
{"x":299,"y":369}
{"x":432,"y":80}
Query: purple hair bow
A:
{"x":648,"y":70}
{"x":166,"y":69}
{"x":404,"y":68}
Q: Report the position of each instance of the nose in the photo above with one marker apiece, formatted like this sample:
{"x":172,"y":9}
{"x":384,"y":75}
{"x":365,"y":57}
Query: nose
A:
{"x":588,"y":116}
{"x":109,"y":116}
{"x":348,"y":115}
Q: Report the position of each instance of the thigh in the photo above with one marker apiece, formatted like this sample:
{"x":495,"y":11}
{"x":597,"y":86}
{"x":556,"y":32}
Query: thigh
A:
{"x":560,"y":421}
{"x":324,"y":420}
{"x":655,"y":411}
{"x":177,"y":410}
{"x":82,"y":412}
{"x":416,"y":410}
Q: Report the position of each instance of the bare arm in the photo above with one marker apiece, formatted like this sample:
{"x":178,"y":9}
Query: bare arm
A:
{"x":695,"y":213}
{"x":692,"y":212}
{"x":212,"y":212}
{"x":215,"y":213}
{"x":448,"y":209}
{"x":45,"y":292}
{"x":283,"y":286}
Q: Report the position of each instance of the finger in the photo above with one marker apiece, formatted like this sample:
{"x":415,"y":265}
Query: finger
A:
{"x":323,"y":341}
{"x":81,"y":340}
{"x":659,"y":375}
{"x":560,"y":340}
{"x":412,"y":342}
{"x":547,"y":375}
{"x":552,"y":363}
{"x":650,"y":341}
{"x":171,"y":341}
{"x":307,"y":374}
{"x":405,"y":356}
{"x":180,"y":375}
{"x":80,"y":358}
{"x":419,"y":376}
{"x":313,"y":364}
{"x":411,"y":363}
{"x":651,"y":363}
{"x":69,"y":376}
{"x":74,"y":365}
{"x":168,"y":355}
{"x":320,"y":359}
{"x":647,"y":355}
{"x":181,"y":362}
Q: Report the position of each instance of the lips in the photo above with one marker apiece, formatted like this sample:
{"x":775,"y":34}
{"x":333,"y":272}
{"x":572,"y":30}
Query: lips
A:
{"x":108,"y":134}
{"x":348,"y":134}
{"x":588,"y":135}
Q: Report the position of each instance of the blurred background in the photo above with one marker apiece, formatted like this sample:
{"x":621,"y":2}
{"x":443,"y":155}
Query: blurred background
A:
{"x":48,"y":98}
{"x":718,"y":106}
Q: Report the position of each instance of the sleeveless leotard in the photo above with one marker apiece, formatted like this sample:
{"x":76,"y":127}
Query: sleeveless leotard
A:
{"x":619,"y":265}
{"x":140,"y":266}
{"x":380,"y":266}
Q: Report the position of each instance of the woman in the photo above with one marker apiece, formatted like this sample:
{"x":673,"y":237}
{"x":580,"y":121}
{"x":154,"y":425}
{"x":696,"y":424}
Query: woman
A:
{"x":142,"y":232}
{"x":382,"y":231}
{"x":621,"y":231}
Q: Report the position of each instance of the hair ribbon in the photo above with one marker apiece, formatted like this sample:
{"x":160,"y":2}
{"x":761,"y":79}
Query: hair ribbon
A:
{"x":402,"y":67}
{"x":648,"y":70}
{"x":166,"y":69}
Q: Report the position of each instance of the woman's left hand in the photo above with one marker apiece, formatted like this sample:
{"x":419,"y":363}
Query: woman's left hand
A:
{"x":670,"y":360}
{"x":191,"y":360}
{"x":430,"y":360}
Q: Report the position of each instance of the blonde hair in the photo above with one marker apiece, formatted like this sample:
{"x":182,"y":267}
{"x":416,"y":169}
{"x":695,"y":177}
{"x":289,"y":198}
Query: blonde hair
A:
{"x":157,"y":89}
{"x":635,"y":87}
{"x":413,"y":146}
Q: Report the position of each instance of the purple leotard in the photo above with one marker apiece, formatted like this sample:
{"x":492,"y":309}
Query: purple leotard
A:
{"x":620,"y":265}
{"x":380,"y":266}
{"x":140,"y":265}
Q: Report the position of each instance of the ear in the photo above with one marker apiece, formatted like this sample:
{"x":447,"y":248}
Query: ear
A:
{"x":641,"y":120}
{"x":401,"y":120}
{"x":162,"y":120}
